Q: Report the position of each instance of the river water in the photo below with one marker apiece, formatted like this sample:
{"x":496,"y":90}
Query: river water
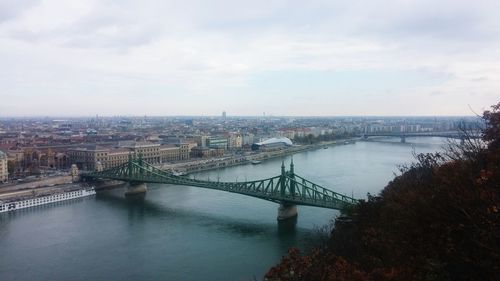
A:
{"x":190,"y":233}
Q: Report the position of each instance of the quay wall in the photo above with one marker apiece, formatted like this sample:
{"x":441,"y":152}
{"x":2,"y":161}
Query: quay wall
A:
{"x":212,"y":164}
{"x":44,"y":182}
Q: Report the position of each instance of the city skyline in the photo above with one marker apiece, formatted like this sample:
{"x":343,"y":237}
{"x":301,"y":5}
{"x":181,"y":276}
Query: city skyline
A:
{"x":284,"y":58}
{"x":214,"y":117}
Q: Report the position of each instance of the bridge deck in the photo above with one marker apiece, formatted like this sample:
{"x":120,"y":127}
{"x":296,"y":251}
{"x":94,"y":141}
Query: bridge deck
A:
{"x":286,"y":188}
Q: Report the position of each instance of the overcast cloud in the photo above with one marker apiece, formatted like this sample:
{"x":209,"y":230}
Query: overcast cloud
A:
{"x":248,"y":57}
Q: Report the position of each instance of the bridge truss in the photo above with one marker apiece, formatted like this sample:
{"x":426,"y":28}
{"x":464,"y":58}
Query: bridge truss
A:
{"x":286,"y":188}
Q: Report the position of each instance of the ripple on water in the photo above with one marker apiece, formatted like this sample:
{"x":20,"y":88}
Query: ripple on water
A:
{"x":188,"y":233}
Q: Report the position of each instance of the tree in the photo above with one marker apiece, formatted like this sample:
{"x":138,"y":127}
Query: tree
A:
{"x":492,"y":132}
{"x":437,"y":220}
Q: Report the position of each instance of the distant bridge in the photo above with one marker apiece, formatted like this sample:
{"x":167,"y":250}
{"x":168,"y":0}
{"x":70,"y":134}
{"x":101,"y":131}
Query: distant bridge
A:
{"x":403,"y":135}
{"x":287,"y":188}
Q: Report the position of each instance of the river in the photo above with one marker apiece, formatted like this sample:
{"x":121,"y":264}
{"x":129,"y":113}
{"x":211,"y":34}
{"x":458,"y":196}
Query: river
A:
{"x":190,"y":233}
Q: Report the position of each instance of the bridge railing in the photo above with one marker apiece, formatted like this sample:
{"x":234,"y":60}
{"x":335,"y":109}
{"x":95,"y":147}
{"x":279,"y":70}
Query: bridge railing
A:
{"x":318,"y":192}
{"x":286,"y":187}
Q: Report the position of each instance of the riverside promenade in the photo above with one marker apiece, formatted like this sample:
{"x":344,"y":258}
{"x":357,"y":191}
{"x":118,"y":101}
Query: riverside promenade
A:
{"x":37,"y":186}
{"x":51,"y":184}
{"x":233,"y":160}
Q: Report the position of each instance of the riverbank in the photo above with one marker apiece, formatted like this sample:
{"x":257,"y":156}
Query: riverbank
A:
{"x":206,"y":229}
{"x":37,"y":183}
{"x":229,"y":161}
{"x":193,"y":166}
{"x":36,"y":187}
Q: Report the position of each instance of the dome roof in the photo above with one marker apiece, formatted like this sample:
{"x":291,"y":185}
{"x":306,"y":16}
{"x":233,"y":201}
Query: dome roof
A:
{"x":284,"y":140}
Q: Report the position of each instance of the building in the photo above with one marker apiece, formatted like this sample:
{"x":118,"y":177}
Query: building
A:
{"x":217,"y":143}
{"x":272,"y":144}
{"x":86,"y":157}
{"x":201,"y":140}
{"x":4,"y":172}
{"x":287,"y":134}
{"x":117,"y":157}
{"x":61,"y":161}
{"x":150,"y":152}
{"x":92,"y":156}
{"x":247,"y":139}
{"x":205,"y":152}
{"x":235,"y":141}
{"x":172,"y":153}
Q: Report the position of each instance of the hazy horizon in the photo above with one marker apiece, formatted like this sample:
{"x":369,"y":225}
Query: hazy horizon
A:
{"x":238,"y":116}
{"x":284,"y":58}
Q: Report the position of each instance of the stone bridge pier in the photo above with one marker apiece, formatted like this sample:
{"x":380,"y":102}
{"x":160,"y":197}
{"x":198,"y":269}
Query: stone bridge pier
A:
{"x":287,"y":189}
{"x":134,"y":188}
{"x":287,"y":211}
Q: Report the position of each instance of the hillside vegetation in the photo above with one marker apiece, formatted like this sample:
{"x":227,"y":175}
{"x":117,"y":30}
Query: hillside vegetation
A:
{"x":438,"y":220}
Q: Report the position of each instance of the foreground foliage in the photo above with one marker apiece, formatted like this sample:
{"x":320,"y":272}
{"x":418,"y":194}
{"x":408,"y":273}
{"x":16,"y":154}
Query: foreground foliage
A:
{"x":438,"y":220}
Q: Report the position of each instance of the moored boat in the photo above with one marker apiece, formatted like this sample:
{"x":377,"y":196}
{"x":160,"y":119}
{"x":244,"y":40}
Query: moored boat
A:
{"x":42,"y":200}
{"x":178,"y":173}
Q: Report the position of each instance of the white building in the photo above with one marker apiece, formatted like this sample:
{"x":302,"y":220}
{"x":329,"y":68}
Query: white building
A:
{"x":248,"y":139}
{"x":4,"y":174}
{"x":272,"y":144}
{"x":235,"y":141}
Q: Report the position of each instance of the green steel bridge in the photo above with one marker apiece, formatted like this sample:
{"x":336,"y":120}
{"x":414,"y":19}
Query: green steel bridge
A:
{"x":287,"y":188}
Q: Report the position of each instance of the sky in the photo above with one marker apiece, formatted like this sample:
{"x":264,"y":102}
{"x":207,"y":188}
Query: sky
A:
{"x":293,"y":58}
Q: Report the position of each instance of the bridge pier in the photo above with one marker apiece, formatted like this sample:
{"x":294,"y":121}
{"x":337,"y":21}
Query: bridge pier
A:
{"x":403,"y":139}
{"x":136,"y":188}
{"x":287,"y":211}
{"x":287,"y":189}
